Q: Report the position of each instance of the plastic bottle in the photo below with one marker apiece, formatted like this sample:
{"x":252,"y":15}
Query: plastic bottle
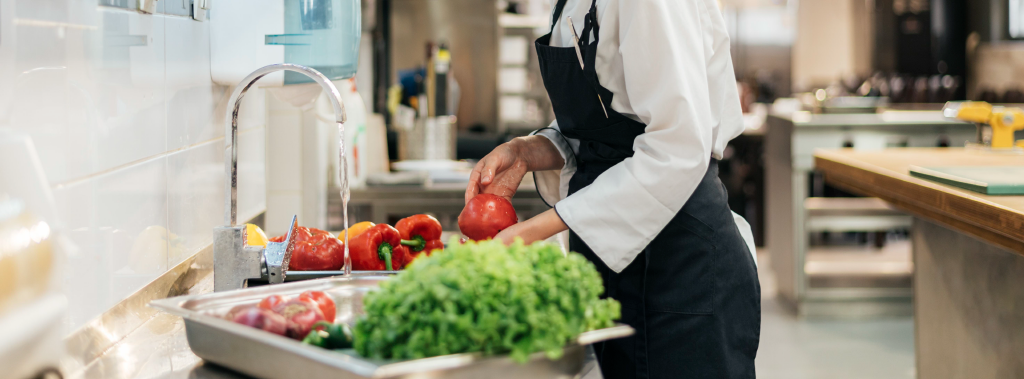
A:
{"x":355,"y":133}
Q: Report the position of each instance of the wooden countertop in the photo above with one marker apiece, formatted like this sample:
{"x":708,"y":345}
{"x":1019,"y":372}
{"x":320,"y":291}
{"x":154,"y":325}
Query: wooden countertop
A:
{"x":885,"y":174}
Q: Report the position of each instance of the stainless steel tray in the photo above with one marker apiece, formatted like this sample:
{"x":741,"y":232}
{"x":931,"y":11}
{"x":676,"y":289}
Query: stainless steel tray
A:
{"x":265,"y":355}
{"x":295,"y":276}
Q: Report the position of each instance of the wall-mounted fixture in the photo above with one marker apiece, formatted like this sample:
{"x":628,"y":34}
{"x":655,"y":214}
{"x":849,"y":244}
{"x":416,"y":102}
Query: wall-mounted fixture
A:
{"x":249,"y":34}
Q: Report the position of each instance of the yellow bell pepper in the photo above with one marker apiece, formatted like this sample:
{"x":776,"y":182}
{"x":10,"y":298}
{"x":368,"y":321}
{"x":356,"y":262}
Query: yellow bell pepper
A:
{"x":254,"y":236}
{"x":356,"y":230}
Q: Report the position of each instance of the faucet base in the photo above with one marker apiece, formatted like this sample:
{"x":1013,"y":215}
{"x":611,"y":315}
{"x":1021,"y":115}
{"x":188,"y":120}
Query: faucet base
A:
{"x":233,"y":262}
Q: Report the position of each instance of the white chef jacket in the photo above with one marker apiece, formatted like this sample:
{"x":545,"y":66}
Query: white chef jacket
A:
{"x":667,"y":62}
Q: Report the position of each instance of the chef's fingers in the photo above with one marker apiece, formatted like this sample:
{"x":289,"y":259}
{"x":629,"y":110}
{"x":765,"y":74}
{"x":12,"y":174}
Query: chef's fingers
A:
{"x":491,"y":166}
{"x":505,"y":183}
{"x":500,"y":189}
{"x":473,"y":188}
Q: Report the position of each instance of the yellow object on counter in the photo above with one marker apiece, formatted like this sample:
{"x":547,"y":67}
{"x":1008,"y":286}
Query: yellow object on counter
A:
{"x":1004,"y":120}
{"x":254,"y":236}
{"x":975,"y":111}
{"x":356,"y":229}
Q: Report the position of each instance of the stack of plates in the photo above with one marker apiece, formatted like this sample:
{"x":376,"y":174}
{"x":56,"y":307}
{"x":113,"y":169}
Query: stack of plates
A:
{"x":438,"y":171}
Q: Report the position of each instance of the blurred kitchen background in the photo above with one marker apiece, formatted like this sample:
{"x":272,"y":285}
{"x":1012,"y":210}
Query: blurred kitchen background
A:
{"x":112,"y":115}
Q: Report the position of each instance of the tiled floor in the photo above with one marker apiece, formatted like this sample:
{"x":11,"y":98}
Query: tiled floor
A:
{"x":798,"y":349}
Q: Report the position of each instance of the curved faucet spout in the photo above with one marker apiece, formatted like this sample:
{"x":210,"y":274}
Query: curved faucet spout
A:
{"x":231,"y":130}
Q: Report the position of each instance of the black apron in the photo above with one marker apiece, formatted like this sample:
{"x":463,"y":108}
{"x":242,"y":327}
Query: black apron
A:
{"x":692,"y":294}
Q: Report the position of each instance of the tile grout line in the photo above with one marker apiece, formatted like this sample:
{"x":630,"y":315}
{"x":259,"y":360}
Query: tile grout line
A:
{"x":71,"y":182}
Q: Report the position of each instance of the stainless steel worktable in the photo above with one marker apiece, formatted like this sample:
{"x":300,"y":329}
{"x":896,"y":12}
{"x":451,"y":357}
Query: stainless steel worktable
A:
{"x":817,"y":281}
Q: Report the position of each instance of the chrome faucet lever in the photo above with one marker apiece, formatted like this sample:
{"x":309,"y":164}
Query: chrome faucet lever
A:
{"x":277,"y":255}
{"x":234,"y":262}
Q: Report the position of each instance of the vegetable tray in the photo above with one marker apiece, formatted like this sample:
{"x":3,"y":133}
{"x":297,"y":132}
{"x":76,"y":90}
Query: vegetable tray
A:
{"x":264,"y":355}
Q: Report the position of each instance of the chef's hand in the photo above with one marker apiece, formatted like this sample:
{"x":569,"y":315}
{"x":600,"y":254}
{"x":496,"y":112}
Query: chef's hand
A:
{"x":498,"y":173}
{"x":501,"y":171}
{"x":538,"y":228}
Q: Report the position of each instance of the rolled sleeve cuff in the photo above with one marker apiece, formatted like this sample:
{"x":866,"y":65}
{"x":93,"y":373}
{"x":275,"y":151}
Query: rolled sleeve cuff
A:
{"x":615,"y":230}
{"x":553,"y":185}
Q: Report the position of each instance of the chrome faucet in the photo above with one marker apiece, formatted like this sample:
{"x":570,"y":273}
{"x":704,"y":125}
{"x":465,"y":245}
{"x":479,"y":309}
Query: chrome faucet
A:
{"x":234,"y":261}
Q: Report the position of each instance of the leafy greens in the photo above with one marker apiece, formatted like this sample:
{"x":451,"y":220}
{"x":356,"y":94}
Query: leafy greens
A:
{"x":485,"y":297}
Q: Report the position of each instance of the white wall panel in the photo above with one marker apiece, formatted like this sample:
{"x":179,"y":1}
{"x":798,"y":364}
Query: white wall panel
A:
{"x":195,"y":198}
{"x":130,"y":132}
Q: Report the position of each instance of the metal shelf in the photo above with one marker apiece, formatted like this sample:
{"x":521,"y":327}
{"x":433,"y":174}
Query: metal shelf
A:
{"x":852,"y":214}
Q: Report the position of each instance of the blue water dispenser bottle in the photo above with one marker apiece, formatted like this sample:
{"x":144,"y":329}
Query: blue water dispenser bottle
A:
{"x":248,"y":34}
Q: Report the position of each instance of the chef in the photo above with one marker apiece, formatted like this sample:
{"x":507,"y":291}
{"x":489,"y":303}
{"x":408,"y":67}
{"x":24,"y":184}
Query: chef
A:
{"x":645,"y":102}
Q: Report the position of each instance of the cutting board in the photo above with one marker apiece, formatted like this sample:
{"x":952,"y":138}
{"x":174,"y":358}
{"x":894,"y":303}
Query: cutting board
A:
{"x":989,"y":180}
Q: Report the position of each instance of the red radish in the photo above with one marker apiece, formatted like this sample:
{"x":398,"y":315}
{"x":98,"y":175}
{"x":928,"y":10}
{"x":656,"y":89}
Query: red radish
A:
{"x":323,"y":301}
{"x":485,"y":215}
{"x":271,"y":301}
{"x":300,"y":315}
{"x":262,"y":319}
{"x":230,"y":316}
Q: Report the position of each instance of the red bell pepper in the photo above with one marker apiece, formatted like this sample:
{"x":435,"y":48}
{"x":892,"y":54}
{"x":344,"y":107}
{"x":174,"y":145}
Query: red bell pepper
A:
{"x":420,"y":234}
{"x":315,"y":250}
{"x":377,"y":249}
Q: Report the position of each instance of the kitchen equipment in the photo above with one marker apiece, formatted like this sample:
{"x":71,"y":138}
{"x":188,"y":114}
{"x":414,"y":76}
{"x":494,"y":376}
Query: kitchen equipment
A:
{"x":853,"y":104}
{"x":427,"y":138}
{"x":469,"y":30}
{"x":431,"y":165}
{"x":234,"y":262}
{"x":435,"y":171}
{"x":265,"y":355}
{"x":248,"y":34}
{"x":1003,"y":120}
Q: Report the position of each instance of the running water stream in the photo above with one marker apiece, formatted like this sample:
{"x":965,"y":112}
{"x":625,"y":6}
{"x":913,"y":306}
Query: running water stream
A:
{"x":343,"y":178}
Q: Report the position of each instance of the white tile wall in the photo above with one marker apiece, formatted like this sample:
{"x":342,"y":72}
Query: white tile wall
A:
{"x":129,"y":128}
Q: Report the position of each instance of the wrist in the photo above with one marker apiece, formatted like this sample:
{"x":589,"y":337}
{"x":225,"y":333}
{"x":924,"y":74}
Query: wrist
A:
{"x":538,"y":153}
{"x":520,"y":147}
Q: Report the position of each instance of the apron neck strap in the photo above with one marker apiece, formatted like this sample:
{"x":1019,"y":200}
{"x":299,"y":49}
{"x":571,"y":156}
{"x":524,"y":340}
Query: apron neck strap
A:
{"x":558,"y":13}
{"x":590,"y":19}
{"x":590,"y":24}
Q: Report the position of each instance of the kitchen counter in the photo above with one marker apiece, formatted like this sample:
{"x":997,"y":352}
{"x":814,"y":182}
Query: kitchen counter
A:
{"x":132,"y":340}
{"x":968,"y":251}
{"x":998,"y":220}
